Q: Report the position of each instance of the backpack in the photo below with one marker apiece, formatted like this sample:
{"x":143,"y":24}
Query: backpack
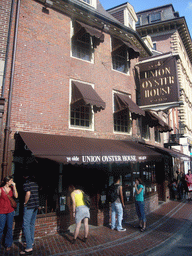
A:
{"x":112,"y":193}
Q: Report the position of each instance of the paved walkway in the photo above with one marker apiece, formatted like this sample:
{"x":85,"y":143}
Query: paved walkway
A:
{"x":168,"y":220}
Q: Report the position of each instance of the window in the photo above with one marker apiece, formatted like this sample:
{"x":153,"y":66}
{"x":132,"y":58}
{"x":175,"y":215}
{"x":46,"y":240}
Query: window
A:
{"x":91,"y":2}
{"x":87,"y":1}
{"x":84,"y":39}
{"x":155,"y":16}
{"x":122,"y":121}
{"x":122,"y":118}
{"x":81,"y":116}
{"x":157,"y":135}
{"x":82,"y":46}
{"x":155,"y":46}
{"x":138,"y":21}
{"x":131,"y":21}
{"x":145,"y":132}
{"x":120,"y":56}
{"x":84,"y":101}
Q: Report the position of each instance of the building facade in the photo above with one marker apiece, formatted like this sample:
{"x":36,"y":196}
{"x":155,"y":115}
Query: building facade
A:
{"x":169,"y":33}
{"x":72,"y":114}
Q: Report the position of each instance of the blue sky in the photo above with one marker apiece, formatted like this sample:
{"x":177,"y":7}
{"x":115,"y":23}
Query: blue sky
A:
{"x":184,"y":7}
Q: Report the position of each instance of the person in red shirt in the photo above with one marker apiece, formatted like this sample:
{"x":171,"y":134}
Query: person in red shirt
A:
{"x":8,"y":187}
{"x":188,"y":179}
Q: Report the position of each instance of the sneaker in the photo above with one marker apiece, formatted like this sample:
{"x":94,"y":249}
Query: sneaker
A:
{"x":122,"y":229}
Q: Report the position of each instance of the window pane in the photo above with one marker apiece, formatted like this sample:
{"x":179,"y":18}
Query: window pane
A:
{"x":81,"y":116}
{"x":81,"y":47}
{"x":122,"y":121}
{"x":155,"y":16}
{"x":120,"y":59}
{"x":87,"y":1}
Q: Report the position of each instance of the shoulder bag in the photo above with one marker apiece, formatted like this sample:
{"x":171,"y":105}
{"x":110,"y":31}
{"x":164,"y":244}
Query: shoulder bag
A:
{"x":13,"y":202}
{"x":86,"y":199}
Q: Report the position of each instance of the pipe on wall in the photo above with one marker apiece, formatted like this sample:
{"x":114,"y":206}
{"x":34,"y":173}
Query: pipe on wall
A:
{"x":7,"y":130}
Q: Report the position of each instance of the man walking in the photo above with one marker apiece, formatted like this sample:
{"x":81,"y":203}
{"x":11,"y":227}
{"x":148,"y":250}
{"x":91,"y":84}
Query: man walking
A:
{"x":117,"y":204}
{"x":31,"y":204}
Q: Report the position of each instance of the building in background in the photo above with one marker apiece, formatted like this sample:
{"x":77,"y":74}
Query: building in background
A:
{"x":171,"y":45}
{"x":169,"y":33}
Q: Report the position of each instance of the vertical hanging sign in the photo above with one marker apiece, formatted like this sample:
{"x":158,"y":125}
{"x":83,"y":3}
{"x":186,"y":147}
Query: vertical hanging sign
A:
{"x":159,"y":82}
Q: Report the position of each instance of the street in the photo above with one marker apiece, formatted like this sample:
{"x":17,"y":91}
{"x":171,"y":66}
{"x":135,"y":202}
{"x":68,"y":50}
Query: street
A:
{"x":169,"y":232}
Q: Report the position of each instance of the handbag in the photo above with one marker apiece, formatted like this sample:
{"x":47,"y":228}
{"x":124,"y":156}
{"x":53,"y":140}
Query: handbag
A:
{"x":13,"y":202}
{"x":86,"y":199}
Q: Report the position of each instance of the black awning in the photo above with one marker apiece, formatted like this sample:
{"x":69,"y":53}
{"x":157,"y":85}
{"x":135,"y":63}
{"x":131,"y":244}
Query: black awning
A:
{"x":123,"y":101}
{"x":92,"y":31}
{"x":169,"y":152}
{"x":81,"y":150}
{"x":84,"y":94}
{"x":134,"y":52}
{"x":153,"y":120}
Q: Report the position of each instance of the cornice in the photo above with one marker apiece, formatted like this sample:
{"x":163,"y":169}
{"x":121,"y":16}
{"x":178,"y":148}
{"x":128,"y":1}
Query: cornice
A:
{"x":87,"y":14}
{"x":168,"y":25}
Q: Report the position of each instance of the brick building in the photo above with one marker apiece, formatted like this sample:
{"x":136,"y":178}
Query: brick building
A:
{"x":170,"y":36}
{"x":169,"y":33}
{"x":71,"y":114}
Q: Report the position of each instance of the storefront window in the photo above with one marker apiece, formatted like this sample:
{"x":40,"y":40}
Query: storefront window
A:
{"x":45,"y":172}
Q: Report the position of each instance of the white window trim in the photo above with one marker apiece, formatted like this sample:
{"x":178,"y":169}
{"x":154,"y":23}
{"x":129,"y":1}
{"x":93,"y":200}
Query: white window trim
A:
{"x":71,"y":55}
{"x":91,"y":128}
{"x":113,"y":106}
{"x":128,"y":72}
{"x":93,"y":3}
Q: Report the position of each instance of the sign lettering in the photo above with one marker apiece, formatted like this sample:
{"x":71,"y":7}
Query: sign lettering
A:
{"x":105,"y":159}
{"x":158,"y":82}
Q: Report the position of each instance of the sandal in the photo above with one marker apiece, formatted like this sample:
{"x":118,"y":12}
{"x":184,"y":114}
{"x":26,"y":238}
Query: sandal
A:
{"x":137,"y":226}
{"x":84,"y":239}
{"x":143,"y":229}
{"x":26,"y":252}
{"x":73,"y":241}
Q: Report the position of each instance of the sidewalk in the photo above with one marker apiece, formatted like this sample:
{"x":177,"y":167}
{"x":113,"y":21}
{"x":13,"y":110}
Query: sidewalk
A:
{"x":169,"y":219}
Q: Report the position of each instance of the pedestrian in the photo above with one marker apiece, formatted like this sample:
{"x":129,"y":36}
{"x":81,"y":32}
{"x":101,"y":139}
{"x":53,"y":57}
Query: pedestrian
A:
{"x":80,"y":212}
{"x":31,"y":204}
{"x":179,"y":185}
{"x":185,"y":187}
{"x":188,"y":179}
{"x":8,"y":189}
{"x":117,"y":204}
{"x":173,"y":187}
{"x":139,"y":203}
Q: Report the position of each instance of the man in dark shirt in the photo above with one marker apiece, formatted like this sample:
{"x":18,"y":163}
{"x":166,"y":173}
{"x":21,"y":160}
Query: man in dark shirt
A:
{"x":31,"y":204}
{"x":117,"y":206}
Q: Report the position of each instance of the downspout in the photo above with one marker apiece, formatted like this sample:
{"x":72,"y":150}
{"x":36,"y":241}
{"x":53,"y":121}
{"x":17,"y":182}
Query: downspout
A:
{"x":7,"y":130}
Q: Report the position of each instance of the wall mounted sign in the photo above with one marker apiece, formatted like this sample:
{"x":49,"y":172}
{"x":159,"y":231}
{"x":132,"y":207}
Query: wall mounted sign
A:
{"x":105,"y":159}
{"x":159,"y":82}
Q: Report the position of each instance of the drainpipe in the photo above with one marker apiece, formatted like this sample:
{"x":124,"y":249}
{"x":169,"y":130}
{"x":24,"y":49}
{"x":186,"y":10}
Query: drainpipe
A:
{"x":7,"y":130}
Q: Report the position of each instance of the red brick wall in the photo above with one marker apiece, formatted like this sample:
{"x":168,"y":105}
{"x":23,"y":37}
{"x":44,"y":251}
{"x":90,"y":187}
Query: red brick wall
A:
{"x":53,"y":224}
{"x":44,"y":68}
{"x":163,"y":42}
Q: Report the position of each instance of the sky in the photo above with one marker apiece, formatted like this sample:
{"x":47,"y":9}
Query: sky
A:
{"x":184,"y":7}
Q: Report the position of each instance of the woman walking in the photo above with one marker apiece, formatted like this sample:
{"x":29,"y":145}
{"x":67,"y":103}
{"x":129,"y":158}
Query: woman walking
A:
{"x":8,"y":189}
{"x":188,"y":179}
{"x":139,"y":203}
{"x":80,"y":212}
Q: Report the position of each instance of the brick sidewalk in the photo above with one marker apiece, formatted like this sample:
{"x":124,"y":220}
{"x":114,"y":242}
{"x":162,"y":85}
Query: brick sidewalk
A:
{"x":161,"y":225}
